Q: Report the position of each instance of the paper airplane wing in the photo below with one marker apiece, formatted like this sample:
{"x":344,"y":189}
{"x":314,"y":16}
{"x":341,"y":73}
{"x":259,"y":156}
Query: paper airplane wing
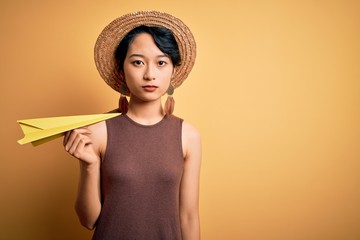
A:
{"x":41,"y":130}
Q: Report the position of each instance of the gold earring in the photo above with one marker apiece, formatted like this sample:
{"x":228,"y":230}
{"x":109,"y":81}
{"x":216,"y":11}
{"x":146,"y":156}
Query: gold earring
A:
{"x":170,"y":102}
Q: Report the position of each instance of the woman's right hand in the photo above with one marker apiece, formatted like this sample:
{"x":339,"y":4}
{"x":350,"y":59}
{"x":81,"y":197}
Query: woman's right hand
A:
{"x":79,"y":144}
{"x":87,"y":145}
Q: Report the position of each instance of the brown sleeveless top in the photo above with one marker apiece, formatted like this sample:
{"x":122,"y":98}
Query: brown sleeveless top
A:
{"x":140,"y":180}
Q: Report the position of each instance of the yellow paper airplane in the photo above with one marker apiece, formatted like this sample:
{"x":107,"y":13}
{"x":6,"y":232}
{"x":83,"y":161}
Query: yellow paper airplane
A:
{"x":41,"y":130}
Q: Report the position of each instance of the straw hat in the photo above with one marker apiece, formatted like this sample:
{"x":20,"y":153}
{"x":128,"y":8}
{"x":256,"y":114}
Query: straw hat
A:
{"x":113,"y":33}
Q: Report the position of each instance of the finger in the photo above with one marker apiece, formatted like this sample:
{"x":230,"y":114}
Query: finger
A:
{"x":80,"y":147}
{"x":82,"y":130}
{"x":78,"y":141}
{"x":71,"y":136}
{"x":66,"y":137}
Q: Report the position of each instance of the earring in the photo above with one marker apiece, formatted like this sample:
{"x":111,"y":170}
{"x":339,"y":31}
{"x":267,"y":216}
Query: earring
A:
{"x":170,"y":102}
{"x":123,"y":102}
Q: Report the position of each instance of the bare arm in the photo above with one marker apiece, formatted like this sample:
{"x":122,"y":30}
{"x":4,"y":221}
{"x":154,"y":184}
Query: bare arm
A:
{"x":189,"y":191}
{"x":87,"y":145}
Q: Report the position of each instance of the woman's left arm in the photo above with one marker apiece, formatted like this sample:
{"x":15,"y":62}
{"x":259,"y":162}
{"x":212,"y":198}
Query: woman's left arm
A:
{"x":189,"y":189}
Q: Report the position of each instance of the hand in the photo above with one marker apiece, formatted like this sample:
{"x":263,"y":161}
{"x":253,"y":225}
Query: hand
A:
{"x":79,"y":144}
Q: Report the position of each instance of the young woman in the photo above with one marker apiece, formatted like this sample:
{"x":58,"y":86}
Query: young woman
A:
{"x":139,"y":172}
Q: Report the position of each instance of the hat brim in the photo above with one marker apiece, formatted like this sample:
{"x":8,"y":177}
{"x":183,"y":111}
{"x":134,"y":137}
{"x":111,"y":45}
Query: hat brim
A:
{"x":111,"y":36}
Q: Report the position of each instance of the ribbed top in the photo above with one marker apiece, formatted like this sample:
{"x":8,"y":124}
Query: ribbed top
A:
{"x":140,"y":180}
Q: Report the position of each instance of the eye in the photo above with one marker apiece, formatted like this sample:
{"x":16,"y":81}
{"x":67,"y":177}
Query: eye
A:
{"x":162,"y":63}
{"x":137,"y":63}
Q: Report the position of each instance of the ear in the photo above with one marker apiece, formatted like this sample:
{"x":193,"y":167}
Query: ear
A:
{"x":174,"y":72}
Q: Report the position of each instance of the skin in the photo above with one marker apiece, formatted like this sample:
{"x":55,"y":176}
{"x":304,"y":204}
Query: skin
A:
{"x":148,"y":73}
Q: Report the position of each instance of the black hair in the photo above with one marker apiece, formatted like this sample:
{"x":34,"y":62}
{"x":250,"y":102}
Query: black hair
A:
{"x":164,"y":39}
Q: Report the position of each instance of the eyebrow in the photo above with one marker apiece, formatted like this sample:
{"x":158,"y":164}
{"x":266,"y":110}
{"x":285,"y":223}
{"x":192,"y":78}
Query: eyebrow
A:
{"x":142,"y":56}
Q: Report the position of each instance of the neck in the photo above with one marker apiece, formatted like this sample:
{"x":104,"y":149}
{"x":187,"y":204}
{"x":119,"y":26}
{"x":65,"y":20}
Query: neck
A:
{"x":146,"y":113}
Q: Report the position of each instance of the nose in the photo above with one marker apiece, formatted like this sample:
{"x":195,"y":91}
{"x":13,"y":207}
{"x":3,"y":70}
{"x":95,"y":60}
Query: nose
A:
{"x":149,"y":74}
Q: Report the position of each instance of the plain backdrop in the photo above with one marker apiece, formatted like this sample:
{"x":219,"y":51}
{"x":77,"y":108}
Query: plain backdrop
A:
{"x":274,"y":93}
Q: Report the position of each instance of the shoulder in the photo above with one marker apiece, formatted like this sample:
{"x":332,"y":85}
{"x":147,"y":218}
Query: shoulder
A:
{"x":189,"y":131}
{"x":97,"y":128}
{"x":191,"y":139}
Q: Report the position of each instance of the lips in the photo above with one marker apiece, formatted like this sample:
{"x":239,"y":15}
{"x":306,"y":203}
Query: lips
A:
{"x":149,"y":88}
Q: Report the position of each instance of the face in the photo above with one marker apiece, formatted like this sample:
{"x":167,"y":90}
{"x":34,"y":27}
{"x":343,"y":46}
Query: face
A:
{"x":147,"y":70}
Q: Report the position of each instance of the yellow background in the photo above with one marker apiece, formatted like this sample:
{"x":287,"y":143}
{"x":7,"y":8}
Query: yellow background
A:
{"x":274,"y":92}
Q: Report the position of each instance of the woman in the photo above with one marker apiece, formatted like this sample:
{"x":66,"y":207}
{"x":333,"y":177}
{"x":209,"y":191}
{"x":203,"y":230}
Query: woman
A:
{"x":139,"y":172}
